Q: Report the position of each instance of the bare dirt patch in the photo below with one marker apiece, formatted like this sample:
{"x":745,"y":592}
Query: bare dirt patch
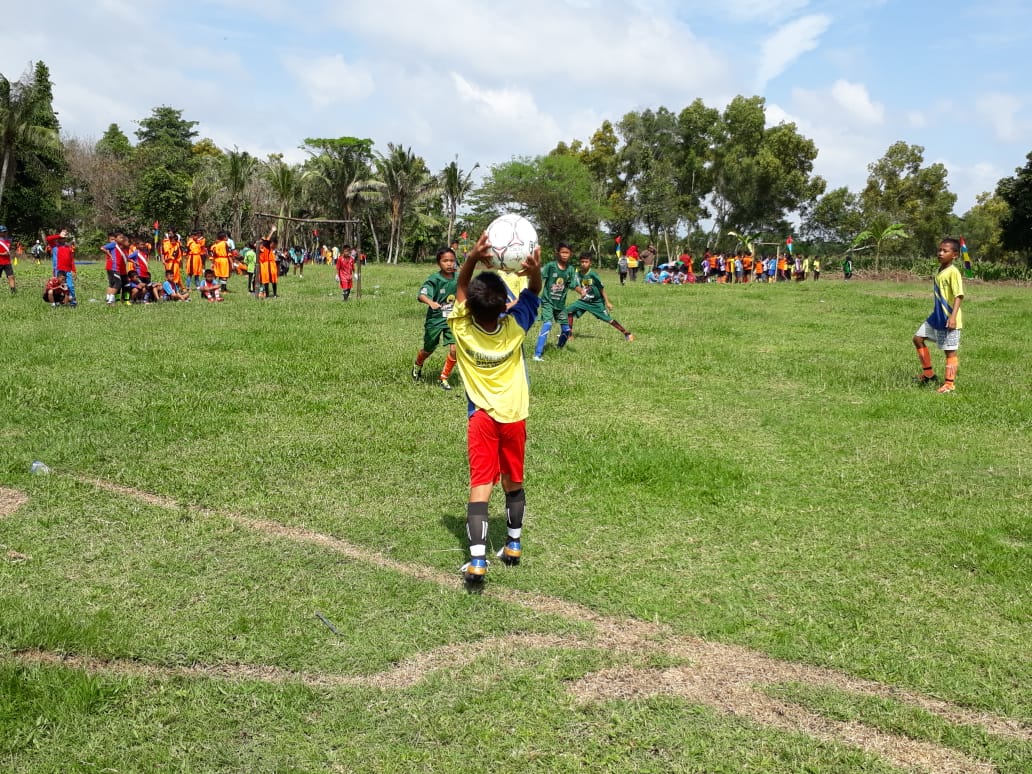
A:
{"x":11,"y":500}
{"x":728,"y":678}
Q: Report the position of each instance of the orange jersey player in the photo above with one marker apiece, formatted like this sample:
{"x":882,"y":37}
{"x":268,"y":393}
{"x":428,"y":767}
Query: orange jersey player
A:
{"x":171,"y":255}
{"x":196,"y":252}
{"x":220,"y":260}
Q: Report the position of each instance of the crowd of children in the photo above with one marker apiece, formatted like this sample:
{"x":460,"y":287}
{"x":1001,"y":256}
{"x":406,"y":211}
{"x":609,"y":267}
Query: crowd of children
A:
{"x":736,"y":268}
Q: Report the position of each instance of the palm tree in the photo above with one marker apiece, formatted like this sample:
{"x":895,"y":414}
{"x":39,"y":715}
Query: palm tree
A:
{"x":455,"y":184}
{"x":406,"y":181}
{"x":340,"y":171}
{"x":285,"y":182}
{"x":879,"y":231}
{"x":18,"y":127}
{"x":239,"y":170}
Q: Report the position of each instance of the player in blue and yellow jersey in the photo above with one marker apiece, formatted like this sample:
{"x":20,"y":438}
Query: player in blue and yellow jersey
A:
{"x":489,"y":348}
{"x":592,"y":299}
{"x":557,"y":277}
{"x":438,"y":293}
{"x":945,"y":321}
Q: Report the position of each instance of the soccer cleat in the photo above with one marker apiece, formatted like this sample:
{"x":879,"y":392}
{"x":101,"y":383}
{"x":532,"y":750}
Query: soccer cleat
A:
{"x":417,"y":371}
{"x":511,"y":552}
{"x":538,"y":358}
{"x":563,"y":338}
{"x":445,"y":385}
{"x":474,"y":570}
{"x":629,"y":337}
{"x":946,"y":387}
{"x":925,"y":381}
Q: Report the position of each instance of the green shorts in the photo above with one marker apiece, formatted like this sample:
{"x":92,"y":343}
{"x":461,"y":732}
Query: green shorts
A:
{"x":549,"y":313}
{"x":577,"y":308}
{"x":435,"y":334}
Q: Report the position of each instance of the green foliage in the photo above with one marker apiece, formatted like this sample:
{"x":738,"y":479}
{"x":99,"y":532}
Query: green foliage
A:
{"x":900,"y":189}
{"x":1016,"y":226}
{"x":834,"y":219}
{"x":878,"y":232}
{"x":164,"y":164}
{"x":340,"y":173}
{"x":32,"y":161}
{"x":114,"y":143}
{"x":556,"y":192}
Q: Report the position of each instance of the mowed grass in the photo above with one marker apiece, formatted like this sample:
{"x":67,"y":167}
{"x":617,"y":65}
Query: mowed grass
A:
{"x":756,"y":469}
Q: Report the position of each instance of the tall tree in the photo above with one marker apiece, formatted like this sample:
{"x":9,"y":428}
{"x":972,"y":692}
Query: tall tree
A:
{"x":759,"y":174}
{"x":1016,"y":192}
{"x":834,"y":219}
{"x":164,"y":168}
{"x":406,"y":181}
{"x":983,"y":225}
{"x":900,"y":189}
{"x":238,"y":169}
{"x":455,"y":186}
{"x":340,"y":170}
{"x":285,"y":182}
{"x":27,"y":123}
{"x":556,"y":192}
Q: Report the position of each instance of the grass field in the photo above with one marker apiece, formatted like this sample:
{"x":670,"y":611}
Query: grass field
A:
{"x":752,"y":544}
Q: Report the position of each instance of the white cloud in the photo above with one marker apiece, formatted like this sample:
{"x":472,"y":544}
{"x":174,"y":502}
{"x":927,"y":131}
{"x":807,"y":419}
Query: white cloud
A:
{"x":329,"y":79}
{"x":788,"y":43}
{"x":504,"y":112}
{"x":1001,"y":112}
{"x":854,"y":100}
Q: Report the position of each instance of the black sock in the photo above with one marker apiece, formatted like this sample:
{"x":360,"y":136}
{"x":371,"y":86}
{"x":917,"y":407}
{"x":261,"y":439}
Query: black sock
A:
{"x":619,"y":327}
{"x":515,"y":504}
{"x":476,"y":527}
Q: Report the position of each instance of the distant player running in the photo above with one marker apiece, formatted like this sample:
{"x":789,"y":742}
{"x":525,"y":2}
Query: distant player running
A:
{"x":557,"y":278}
{"x":438,"y":293}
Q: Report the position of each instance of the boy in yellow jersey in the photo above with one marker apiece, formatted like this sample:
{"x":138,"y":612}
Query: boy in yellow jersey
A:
{"x":489,"y":350}
{"x":945,"y":321}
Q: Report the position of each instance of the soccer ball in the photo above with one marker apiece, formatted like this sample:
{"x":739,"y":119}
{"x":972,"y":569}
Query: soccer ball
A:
{"x":512,"y":239}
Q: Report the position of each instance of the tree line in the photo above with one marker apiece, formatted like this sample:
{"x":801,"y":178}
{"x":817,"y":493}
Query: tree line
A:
{"x":696,"y":179}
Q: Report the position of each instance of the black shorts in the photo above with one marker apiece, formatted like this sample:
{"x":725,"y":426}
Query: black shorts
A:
{"x":6,"y":268}
{"x":114,"y":280}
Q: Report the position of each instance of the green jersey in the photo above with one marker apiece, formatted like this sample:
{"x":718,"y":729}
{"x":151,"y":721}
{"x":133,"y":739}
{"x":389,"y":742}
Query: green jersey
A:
{"x":555,"y":283}
{"x":592,"y":286}
{"x":441,"y":290}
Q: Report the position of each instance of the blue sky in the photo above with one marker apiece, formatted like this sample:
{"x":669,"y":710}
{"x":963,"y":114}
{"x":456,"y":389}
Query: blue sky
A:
{"x":486,"y":81}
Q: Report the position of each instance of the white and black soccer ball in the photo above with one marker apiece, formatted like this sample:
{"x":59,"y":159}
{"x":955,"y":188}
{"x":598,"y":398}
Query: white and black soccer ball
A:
{"x":512,"y":239}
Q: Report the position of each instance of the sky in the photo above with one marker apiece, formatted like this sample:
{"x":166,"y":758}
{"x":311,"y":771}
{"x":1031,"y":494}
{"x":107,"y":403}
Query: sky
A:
{"x":484,"y":82}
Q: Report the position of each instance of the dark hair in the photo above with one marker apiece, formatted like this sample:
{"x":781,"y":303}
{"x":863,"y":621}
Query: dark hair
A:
{"x":222,"y":235}
{"x":586,"y":254}
{"x":443,"y":252}
{"x":562,"y":245}
{"x":954,"y":243}
{"x":486,"y":295}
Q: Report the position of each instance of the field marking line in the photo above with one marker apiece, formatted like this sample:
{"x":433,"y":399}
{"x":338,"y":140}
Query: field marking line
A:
{"x":727,"y":678}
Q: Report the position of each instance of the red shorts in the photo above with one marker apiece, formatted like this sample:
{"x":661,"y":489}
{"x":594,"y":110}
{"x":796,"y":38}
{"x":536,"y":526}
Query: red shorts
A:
{"x":495,"y":448}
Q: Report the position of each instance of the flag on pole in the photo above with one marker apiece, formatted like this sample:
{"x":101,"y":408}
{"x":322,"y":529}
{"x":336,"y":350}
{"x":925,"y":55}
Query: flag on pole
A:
{"x":966,"y":256}
{"x":788,"y":244}
{"x":619,"y":239}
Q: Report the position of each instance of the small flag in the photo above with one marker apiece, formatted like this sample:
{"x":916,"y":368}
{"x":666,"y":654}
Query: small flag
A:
{"x":464,"y":236}
{"x":966,"y":256}
{"x":788,"y":244}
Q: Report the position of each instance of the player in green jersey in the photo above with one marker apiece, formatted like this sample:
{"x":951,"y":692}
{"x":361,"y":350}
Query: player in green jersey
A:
{"x":438,"y":293}
{"x":558,"y":277}
{"x":592,"y":299}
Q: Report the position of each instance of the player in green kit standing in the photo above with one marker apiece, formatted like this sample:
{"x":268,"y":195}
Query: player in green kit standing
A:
{"x":438,"y":293}
{"x":558,"y":277}
{"x":592,"y":299}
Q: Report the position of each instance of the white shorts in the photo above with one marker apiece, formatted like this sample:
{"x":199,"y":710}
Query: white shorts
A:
{"x":944,"y":340}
